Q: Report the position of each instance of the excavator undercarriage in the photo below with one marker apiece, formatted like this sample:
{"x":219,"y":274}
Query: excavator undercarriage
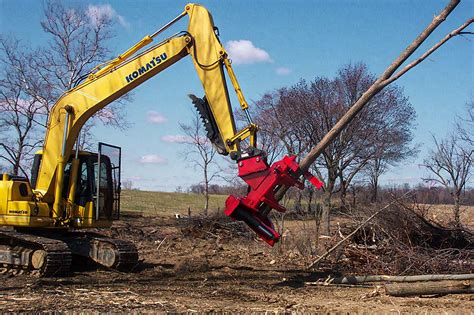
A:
{"x":54,"y":254}
{"x":54,"y":251}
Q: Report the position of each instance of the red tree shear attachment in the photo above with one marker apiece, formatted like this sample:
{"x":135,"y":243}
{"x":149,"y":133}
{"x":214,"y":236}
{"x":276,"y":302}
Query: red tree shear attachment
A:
{"x":263,"y":181}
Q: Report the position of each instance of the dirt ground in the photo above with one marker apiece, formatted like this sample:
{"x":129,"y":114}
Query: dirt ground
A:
{"x":185,"y":269}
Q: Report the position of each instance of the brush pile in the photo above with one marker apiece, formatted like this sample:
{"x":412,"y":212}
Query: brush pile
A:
{"x":401,"y":241}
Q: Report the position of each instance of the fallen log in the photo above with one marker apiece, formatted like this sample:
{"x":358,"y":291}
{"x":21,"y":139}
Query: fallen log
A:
{"x":381,"y":278}
{"x":430,"y":288}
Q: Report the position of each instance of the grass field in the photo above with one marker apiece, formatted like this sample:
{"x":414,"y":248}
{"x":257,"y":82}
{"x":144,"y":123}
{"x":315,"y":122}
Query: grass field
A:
{"x":444,"y":214}
{"x":168,"y":203}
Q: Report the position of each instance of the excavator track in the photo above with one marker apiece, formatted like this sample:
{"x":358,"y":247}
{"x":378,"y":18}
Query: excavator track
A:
{"x":126,"y":253}
{"x":53,"y":257}
{"x":108,"y":252}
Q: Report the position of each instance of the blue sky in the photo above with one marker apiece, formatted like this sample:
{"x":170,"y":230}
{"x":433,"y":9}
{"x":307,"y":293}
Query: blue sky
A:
{"x":289,"y":40}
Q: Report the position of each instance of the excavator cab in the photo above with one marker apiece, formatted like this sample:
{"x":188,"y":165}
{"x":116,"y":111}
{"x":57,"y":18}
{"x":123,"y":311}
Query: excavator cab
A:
{"x":97,"y":191}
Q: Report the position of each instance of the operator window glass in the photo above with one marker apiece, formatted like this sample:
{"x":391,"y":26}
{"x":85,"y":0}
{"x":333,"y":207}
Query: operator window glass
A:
{"x":83,"y":178}
{"x":103,"y":175}
{"x":67,"y":174}
{"x":84,"y":172}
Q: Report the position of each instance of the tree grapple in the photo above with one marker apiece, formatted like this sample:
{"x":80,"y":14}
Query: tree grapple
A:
{"x":264,"y":180}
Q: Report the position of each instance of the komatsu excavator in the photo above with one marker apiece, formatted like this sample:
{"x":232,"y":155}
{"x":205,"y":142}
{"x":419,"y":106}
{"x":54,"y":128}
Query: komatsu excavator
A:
{"x":71,"y":190}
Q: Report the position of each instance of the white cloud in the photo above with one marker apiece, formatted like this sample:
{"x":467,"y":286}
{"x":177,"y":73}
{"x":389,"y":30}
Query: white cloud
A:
{"x":152,"y":159}
{"x":103,"y":12}
{"x":283,"y":71}
{"x":176,"y":139}
{"x":244,"y":52}
{"x":156,"y":118}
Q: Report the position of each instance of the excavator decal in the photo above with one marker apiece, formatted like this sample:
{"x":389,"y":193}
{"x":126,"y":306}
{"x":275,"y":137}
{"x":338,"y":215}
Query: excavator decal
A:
{"x":153,"y":63}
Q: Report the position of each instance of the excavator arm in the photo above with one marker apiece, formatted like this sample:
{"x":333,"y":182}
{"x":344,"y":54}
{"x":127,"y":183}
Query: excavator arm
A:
{"x":128,"y":71}
{"x":57,"y":168}
{"x":49,"y":206}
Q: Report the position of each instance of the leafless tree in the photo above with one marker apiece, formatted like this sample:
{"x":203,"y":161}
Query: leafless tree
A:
{"x":32,"y":81}
{"x":391,"y":143}
{"x":127,"y":184}
{"x":275,"y":135}
{"x":450,"y":165}
{"x":299,"y":116}
{"x":20,"y":111}
{"x":201,"y":153}
{"x":78,"y":44}
{"x":392,"y":73}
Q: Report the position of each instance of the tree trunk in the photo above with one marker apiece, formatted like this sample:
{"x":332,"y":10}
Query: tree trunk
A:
{"x":383,"y":278}
{"x":310,"y":200}
{"x":430,"y":288}
{"x":298,"y":208}
{"x":375,"y":180}
{"x":375,"y":189}
{"x":326,"y":213}
{"x":354,"y":196}
{"x":206,"y":191}
{"x":343,"y":192}
{"x":16,"y":165}
{"x":457,"y":219}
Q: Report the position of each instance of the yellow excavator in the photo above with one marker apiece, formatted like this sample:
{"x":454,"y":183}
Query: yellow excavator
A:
{"x":71,"y":190}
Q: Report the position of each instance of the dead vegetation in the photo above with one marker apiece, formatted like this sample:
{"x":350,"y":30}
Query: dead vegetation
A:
{"x":214,"y":264}
{"x":400,"y":240}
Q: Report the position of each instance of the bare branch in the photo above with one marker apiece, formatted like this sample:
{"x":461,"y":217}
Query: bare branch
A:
{"x":373,"y":90}
{"x":452,"y":34}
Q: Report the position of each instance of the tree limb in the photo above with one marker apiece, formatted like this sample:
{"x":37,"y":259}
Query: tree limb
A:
{"x":376,"y":87}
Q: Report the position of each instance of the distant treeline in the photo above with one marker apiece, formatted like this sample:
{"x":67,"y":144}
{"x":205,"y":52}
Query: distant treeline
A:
{"x":357,"y":194}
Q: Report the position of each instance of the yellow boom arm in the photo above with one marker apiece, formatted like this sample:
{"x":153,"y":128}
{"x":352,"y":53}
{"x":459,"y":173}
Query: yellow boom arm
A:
{"x":126,"y":72}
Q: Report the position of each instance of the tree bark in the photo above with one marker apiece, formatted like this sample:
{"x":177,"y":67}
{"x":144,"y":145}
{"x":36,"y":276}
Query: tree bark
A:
{"x":375,"y":180}
{"x":326,"y":214}
{"x":343,"y":193}
{"x":382,"y":278}
{"x":16,"y":165}
{"x":457,"y":219}
{"x":206,"y":191}
{"x":375,"y":189}
{"x":430,"y":288}
{"x":310,"y":200}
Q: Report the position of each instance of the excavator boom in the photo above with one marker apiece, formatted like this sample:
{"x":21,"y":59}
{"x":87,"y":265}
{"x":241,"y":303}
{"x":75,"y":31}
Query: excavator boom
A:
{"x":72,"y":188}
{"x":127,"y":72}
{"x":75,"y":189}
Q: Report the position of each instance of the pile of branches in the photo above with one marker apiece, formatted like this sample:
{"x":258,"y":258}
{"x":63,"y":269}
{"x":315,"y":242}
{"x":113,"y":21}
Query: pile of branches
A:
{"x":213,"y":226}
{"x":401,"y":241}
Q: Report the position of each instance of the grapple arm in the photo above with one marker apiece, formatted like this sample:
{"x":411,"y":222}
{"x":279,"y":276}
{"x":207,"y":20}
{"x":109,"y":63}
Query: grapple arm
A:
{"x":263,"y":181}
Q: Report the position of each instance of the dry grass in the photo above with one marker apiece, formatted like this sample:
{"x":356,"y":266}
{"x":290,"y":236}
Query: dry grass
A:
{"x":443,"y":214}
{"x":165,"y":203}
{"x":170,"y":203}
